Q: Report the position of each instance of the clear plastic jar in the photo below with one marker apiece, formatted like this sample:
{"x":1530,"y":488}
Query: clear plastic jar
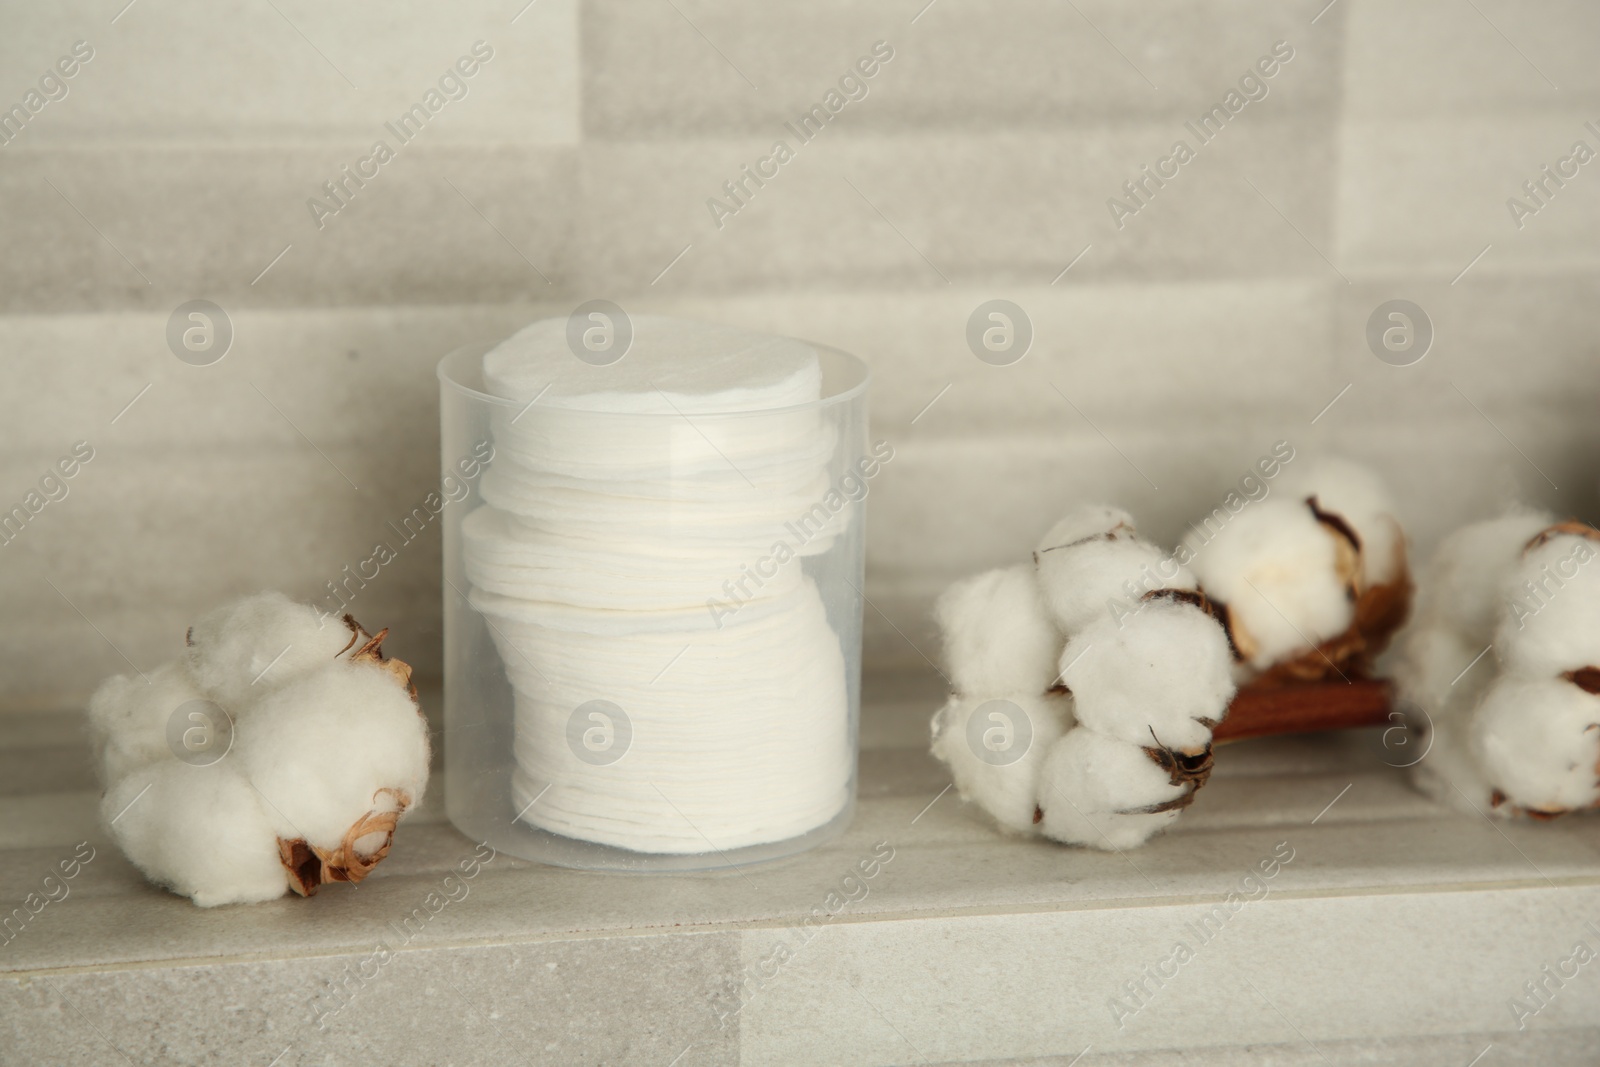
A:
{"x":677,"y":685}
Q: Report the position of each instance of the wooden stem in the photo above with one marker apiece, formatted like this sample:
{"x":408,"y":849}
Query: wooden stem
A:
{"x":1310,"y":707}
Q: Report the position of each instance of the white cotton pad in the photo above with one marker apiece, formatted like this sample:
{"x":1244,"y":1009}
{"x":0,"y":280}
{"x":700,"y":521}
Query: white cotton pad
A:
{"x":1538,"y":742}
{"x":662,"y":411}
{"x":645,"y":542}
{"x":618,"y":574}
{"x":129,"y":717}
{"x":1551,"y":623}
{"x":1276,"y":569}
{"x":1087,"y":580}
{"x":250,"y":647}
{"x":202,"y":831}
{"x":328,"y":748}
{"x":1151,"y":678}
{"x":672,"y":365}
{"x":735,"y":736}
{"x":1357,"y":495}
{"x":994,"y":747}
{"x":998,"y":635}
{"x":1091,"y":789}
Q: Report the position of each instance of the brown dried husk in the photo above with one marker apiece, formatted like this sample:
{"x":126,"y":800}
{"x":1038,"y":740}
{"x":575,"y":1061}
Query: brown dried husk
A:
{"x":309,"y":867}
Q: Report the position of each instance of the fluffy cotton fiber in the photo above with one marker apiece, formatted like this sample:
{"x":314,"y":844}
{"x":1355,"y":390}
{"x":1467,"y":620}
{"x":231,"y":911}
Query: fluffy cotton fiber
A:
{"x":1451,"y":774}
{"x":200,"y":831}
{"x":1276,"y":568}
{"x":128,"y":718}
{"x":324,"y":735}
{"x":1155,"y":678}
{"x":1553,"y":622}
{"x":1464,"y":588}
{"x":324,"y":750}
{"x":1461,"y":598}
{"x":1105,"y":574}
{"x":1519,"y":732}
{"x":998,"y":635}
{"x":994,"y":747}
{"x":1358,"y":496}
{"x":257,"y":644}
{"x":1538,"y":741}
{"x":1092,"y":787}
{"x":1152,"y":675}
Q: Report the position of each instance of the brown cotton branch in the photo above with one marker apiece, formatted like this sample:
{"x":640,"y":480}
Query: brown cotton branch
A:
{"x":1306,"y":707}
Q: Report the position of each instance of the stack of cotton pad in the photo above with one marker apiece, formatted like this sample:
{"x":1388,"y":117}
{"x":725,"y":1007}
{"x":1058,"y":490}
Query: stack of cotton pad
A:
{"x":616,"y":559}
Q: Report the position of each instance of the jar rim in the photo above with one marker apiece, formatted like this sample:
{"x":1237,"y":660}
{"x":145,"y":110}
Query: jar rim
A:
{"x":858,"y":376}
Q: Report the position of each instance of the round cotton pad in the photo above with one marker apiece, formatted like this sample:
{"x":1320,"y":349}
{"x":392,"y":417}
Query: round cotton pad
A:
{"x":642,"y":550}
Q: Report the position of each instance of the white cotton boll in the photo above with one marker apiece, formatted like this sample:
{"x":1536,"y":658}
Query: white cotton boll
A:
{"x":1450,"y":773}
{"x":1464,"y":586}
{"x":998,"y":636}
{"x":1551,"y":623}
{"x":201,"y":831}
{"x":324,"y":749}
{"x":1092,"y":787}
{"x":1358,"y":495}
{"x":1276,"y":568}
{"x":1433,"y":671}
{"x":1149,"y":678}
{"x":252,"y":646}
{"x":1096,"y":579}
{"x":994,"y":748}
{"x":1085,"y":522}
{"x":1538,"y":742}
{"x":128,"y":718}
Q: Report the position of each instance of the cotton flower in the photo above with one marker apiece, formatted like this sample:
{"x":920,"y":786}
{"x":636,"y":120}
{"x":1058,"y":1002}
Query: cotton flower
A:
{"x":1356,"y":498}
{"x":257,"y":644}
{"x":1465,"y":585}
{"x":1459,"y":609}
{"x":1150,"y":646}
{"x":1314,"y":580}
{"x":1538,"y":741}
{"x":994,"y":747}
{"x":1518,"y":731}
{"x":335,"y":754}
{"x":200,"y":831}
{"x":129,"y":715}
{"x":1092,"y":563}
{"x":320,"y":748}
{"x":1146,"y":661}
{"x":1105,"y":793}
{"x":1278,"y":571}
{"x":998,"y":635}
{"x":1159,"y":678}
{"x":1552,"y":626}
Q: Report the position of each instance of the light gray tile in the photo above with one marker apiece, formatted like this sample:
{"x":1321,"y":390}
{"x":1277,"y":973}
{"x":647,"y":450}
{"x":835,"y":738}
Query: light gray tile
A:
{"x":1279,"y":970}
{"x":922,"y":211}
{"x":1420,"y":57}
{"x":650,"y":72}
{"x":344,"y":376}
{"x":1485,"y":349}
{"x":147,"y":226}
{"x":1427,"y":195}
{"x":244,"y":72}
{"x":640,"y":999}
{"x":157,"y":538}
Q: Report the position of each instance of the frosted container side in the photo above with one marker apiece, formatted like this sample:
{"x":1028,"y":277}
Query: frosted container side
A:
{"x":774,"y":650}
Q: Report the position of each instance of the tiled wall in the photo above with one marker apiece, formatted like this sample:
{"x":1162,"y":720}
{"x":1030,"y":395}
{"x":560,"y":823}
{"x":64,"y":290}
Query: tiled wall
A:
{"x":1223,"y":315}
